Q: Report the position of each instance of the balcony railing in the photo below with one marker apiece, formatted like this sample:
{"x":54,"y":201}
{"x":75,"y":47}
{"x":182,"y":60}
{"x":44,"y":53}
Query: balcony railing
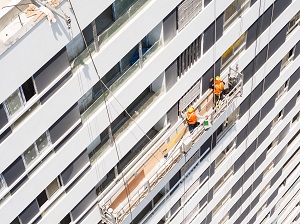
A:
{"x":108,"y":33}
{"x":117,"y":208}
{"x":103,"y":148}
{"x":119,"y":82}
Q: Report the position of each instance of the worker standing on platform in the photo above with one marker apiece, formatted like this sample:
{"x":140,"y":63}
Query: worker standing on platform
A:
{"x":218,"y":88}
{"x":191,"y":118}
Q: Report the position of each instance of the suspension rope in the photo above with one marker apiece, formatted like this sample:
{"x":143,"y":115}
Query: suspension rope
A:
{"x":107,"y":111}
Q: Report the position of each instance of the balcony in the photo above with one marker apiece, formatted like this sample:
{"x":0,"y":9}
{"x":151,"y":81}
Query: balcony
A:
{"x":112,"y":89}
{"x":161,"y":159}
{"x":127,"y":122}
{"x":105,"y":36}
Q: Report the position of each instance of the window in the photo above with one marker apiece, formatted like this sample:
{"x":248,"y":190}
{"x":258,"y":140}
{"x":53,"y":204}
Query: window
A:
{"x":223,"y":179}
{"x":36,"y":148}
{"x":53,"y":187}
{"x":224,"y":219}
{"x":293,"y":23}
{"x":268,"y":168}
{"x":295,"y":118}
{"x":298,"y":96}
{"x":233,"y":51}
{"x":283,"y":89}
{"x":221,"y":203}
{"x":287,"y":58}
{"x":261,"y":209}
{"x":264,"y":190}
{"x":277,"y":119}
{"x":2,"y":183}
{"x":17,"y":100}
{"x":273,"y":144}
{"x":234,"y":10}
{"x":225,"y":153}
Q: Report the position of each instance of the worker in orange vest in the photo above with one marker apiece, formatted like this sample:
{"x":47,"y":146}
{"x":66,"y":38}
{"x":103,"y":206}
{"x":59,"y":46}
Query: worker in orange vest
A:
{"x":191,"y":118}
{"x":218,"y":88}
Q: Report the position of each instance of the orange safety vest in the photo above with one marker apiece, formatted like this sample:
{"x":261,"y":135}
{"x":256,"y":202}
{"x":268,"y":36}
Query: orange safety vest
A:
{"x":219,"y":87}
{"x":191,"y":118}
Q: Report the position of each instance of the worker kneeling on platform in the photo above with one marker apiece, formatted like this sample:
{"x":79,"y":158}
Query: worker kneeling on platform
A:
{"x":218,"y":88}
{"x":191,"y":117}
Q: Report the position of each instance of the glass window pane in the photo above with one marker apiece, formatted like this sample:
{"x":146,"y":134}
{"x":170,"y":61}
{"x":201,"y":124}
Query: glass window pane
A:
{"x":1,"y":183}
{"x":52,"y":187}
{"x":14,"y":102}
{"x":30,"y":154}
{"x":42,"y":142}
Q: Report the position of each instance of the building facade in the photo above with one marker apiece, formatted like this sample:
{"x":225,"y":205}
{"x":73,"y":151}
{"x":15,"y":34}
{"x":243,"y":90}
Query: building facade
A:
{"x":90,"y":129}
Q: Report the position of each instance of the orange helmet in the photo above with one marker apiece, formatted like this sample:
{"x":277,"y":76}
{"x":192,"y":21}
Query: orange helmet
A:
{"x":191,"y":109}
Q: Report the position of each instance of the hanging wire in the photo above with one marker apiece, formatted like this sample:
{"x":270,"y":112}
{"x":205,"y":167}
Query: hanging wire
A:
{"x":105,"y":101}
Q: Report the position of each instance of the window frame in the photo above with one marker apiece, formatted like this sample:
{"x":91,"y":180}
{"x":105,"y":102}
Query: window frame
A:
{"x":37,"y":151}
{"x":288,"y":58}
{"x":237,"y":12}
{"x":236,"y":49}
{"x":291,"y":25}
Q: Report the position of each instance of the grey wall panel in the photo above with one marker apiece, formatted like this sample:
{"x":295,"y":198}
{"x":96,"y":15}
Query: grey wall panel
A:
{"x":205,"y":79}
{"x":245,"y":105}
{"x":53,"y":68}
{"x":267,"y":107}
{"x":170,"y":27}
{"x":172,"y":115}
{"x":252,"y":220}
{"x":56,"y":87}
{"x":276,"y":177}
{"x":248,"y":72}
{"x":246,"y":195}
{"x":3,"y":117}
{"x":14,"y":171}
{"x":175,"y":179}
{"x":253,"y":1}
{"x":5,"y":134}
{"x":264,"y":21}
{"x":204,"y":175}
{"x":171,"y":75}
{"x":273,"y":195}
{"x":234,"y":208}
{"x":238,"y":163}
{"x":209,"y":37}
{"x":243,"y":215}
{"x":253,"y":123}
{"x":260,"y":159}
{"x":257,"y":181}
{"x":282,"y":135}
{"x":29,"y":212}
{"x":248,"y":173}
{"x":272,"y":76}
{"x":256,"y":93}
{"x":294,"y":78}
{"x":206,"y":2}
{"x":84,"y":204}
{"x":263,"y":135}
{"x":279,"y":7}
{"x":74,"y":167}
{"x":260,"y":59}
{"x":297,"y":50}
{"x":252,"y":34}
{"x":277,"y":41}
{"x":64,"y":123}
{"x":18,"y":185}
{"x":219,"y":24}
{"x":241,"y":136}
{"x":289,"y":106}
{"x":255,"y":201}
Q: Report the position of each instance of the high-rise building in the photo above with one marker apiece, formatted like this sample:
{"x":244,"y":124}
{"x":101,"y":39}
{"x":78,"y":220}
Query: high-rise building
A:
{"x":90,"y":123}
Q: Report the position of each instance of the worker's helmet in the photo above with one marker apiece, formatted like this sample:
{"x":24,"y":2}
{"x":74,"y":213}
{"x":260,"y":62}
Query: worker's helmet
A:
{"x":191,"y":109}
{"x":218,"y":78}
